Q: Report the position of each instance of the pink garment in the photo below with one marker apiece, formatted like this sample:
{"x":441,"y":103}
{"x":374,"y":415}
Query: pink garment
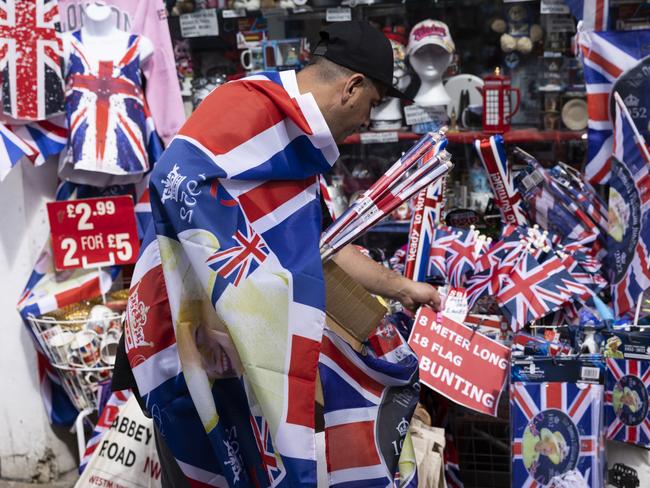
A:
{"x":147,"y":18}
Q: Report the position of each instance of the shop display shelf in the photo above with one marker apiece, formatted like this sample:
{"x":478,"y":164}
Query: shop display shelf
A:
{"x":391,"y":227}
{"x":515,"y":136}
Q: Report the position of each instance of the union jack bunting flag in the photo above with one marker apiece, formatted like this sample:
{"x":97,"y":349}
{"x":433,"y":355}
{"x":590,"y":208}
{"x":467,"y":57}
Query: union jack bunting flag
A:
{"x":31,"y":59}
{"x":224,"y":346}
{"x":46,"y":137}
{"x":611,"y":58}
{"x":369,"y":402}
{"x":555,"y":430}
{"x":629,"y":205}
{"x":111,"y":129}
{"x":437,"y":263}
{"x":531,"y":290}
{"x":461,"y":257}
{"x":499,"y":258}
{"x":594,"y":14}
{"x":12,"y":149}
{"x":627,"y":401}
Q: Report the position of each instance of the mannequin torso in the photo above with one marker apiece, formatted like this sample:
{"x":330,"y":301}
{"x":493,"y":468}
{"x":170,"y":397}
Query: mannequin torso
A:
{"x":105,"y":42}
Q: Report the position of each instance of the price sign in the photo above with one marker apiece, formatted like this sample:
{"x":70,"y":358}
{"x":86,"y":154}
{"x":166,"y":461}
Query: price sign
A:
{"x":338,"y":14}
{"x":200,"y":23}
{"x":93,"y":232}
{"x":379,"y":137}
{"x":458,"y":362}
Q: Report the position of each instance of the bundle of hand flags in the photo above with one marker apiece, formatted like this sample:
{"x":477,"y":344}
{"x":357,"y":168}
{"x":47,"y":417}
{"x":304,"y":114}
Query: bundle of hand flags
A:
{"x":422,"y":165}
{"x":36,"y":141}
{"x":530,"y":273}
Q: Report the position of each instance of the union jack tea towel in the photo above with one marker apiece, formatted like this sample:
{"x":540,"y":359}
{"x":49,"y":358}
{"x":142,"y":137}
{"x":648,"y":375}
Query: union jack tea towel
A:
{"x":31,"y":59}
{"x":556,"y":425}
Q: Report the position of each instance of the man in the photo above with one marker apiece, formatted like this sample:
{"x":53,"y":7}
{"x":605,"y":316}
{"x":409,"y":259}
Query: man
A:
{"x":226,"y":308}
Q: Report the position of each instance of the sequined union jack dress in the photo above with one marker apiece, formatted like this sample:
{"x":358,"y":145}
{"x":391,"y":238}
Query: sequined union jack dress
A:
{"x":111,"y":129}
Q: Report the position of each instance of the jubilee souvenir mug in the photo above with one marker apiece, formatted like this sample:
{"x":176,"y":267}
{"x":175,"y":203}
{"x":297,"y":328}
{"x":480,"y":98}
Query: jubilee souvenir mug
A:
{"x":99,"y":318}
{"x":59,"y":343}
{"x":283,"y":54}
{"x":85,"y":349}
{"x":108,"y":347}
{"x":252,"y":59}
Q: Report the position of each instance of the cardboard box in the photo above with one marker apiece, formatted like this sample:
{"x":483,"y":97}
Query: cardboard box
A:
{"x":351,"y":311}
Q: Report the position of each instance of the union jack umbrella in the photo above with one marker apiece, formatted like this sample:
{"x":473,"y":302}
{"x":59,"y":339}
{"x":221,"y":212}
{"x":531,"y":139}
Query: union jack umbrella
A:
{"x":31,"y":59}
{"x":555,"y":429}
{"x":629,"y":205}
{"x":606,"y":57}
{"x":627,"y":401}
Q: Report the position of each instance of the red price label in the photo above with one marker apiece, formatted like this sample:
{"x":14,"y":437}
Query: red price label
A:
{"x":93,"y":232}
{"x":458,"y":362}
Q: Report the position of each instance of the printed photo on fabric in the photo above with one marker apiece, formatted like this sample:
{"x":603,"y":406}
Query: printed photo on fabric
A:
{"x":627,"y":401}
{"x":613,"y":61}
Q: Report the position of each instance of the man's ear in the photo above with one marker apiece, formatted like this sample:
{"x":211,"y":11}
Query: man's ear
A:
{"x":352,"y":86}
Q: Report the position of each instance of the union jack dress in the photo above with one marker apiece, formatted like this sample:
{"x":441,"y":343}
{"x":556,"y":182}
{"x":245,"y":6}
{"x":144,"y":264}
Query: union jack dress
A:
{"x":111,"y":129}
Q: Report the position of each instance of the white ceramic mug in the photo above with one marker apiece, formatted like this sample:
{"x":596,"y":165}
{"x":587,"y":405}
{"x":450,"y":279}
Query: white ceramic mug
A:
{"x":85,"y":349}
{"x":59,"y":343}
{"x":108,"y":347}
{"x":252,"y":59}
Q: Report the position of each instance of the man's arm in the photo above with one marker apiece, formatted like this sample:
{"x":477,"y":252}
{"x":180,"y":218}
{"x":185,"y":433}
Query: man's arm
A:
{"x":381,"y":281}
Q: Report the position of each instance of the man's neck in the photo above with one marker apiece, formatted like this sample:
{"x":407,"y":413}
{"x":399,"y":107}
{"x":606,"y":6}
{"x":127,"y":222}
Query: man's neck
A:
{"x":309,"y":83}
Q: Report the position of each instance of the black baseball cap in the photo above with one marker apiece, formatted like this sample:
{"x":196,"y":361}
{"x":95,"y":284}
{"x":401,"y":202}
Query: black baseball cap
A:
{"x":360,"y":47}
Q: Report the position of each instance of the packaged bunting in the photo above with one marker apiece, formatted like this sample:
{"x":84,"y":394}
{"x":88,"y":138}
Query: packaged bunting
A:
{"x":627,"y":388}
{"x":556,"y":421}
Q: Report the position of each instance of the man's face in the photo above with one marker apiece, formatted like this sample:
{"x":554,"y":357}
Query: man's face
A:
{"x":355,"y":112}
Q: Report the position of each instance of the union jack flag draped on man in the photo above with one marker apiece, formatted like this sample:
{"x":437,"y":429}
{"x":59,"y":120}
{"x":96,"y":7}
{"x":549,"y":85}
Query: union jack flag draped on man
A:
{"x":609,"y":58}
{"x":226,"y":310}
{"x":30,"y":59}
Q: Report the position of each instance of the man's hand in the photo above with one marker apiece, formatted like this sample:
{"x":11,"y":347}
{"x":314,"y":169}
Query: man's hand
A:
{"x":382,"y":281}
{"x":415,"y":294}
